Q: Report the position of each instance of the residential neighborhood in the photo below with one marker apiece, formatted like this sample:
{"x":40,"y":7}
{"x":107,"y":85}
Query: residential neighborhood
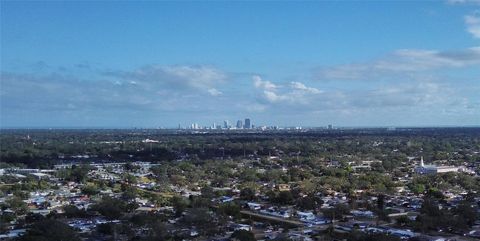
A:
{"x":273,"y":196}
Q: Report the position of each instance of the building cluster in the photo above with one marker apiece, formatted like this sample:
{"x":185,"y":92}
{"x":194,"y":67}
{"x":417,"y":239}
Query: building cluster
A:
{"x":247,"y":124}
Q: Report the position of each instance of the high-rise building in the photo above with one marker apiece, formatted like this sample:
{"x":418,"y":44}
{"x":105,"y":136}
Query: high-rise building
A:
{"x":330,"y":127}
{"x":239,"y":124}
{"x":247,"y":123}
{"x":225,"y":124}
{"x":194,"y":126}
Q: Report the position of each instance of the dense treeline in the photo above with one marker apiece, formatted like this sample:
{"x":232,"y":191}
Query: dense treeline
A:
{"x":41,"y":148}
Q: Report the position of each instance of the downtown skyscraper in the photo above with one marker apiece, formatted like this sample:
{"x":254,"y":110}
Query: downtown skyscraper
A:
{"x":247,"y":123}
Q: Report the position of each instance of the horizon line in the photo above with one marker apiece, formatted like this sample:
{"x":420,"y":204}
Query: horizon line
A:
{"x":229,"y":129}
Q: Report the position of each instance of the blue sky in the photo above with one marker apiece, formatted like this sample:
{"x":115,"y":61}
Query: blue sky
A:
{"x":151,"y":64}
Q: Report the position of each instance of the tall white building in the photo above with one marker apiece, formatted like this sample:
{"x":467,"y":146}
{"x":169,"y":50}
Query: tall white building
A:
{"x":433,"y":169}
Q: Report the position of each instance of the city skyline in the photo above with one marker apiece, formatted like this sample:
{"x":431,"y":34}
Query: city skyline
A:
{"x":150,"y":64}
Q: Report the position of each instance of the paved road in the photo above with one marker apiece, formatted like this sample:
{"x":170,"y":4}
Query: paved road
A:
{"x":295,"y":223}
{"x":272,"y":218}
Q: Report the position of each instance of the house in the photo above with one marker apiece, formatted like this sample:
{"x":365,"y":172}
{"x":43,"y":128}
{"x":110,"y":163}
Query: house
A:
{"x":474,"y":234}
{"x":283,"y":187}
{"x":225,"y":199}
{"x":269,"y":235}
{"x":254,"y":206}
{"x":306,"y":216}
{"x":319,"y":221}
{"x":243,"y":227}
{"x":403,"y":234}
{"x":13,"y":234}
{"x":361,"y":213}
{"x":277,"y":213}
{"x":343,"y":228}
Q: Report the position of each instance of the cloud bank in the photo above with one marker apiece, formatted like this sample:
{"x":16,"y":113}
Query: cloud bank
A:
{"x":155,"y":91}
{"x":404,"y":61}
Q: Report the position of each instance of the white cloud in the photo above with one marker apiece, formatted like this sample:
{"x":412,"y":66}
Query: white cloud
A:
{"x":214,"y":92}
{"x":272,"y":96}
{"x":420,"y":95}
{"x":300,"y":86}
{"x":463,"y":1}
{"x":473,"y":24}
{"x":165,"y":88}
{"x":263,"y":84}
{"x":195,"y":76}
{"x":404,"y":95}
{"x":403,"y":61}
{"x":176,"y":78}
{"x":251,"y":107}
{"x":294,"y":93}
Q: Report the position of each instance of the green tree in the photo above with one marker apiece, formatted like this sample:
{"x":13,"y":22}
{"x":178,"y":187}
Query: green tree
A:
{"x":71,"y":211}
{"x":158,"y":231}
{"x":106,"y":228}
{"x":229,"y":209}
{"x":285,"y":197}
{"x":208,"y":192}
{"x":417,"y":188}
{"x":111,"y":208}
{"x":247,"y":194}
{"x":129,"y":178}
{"x":179,"y":204}
{"x":90,"y":189}
{"x":129,"y":193}
{"x":50,"y":230}
{"x":309,"y":202}
{"x":17,"y":205}
{"x":79,"y":173}
{"x":466,"y":212}
{"x":336,"y":212}
{"x":243,"y":235}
